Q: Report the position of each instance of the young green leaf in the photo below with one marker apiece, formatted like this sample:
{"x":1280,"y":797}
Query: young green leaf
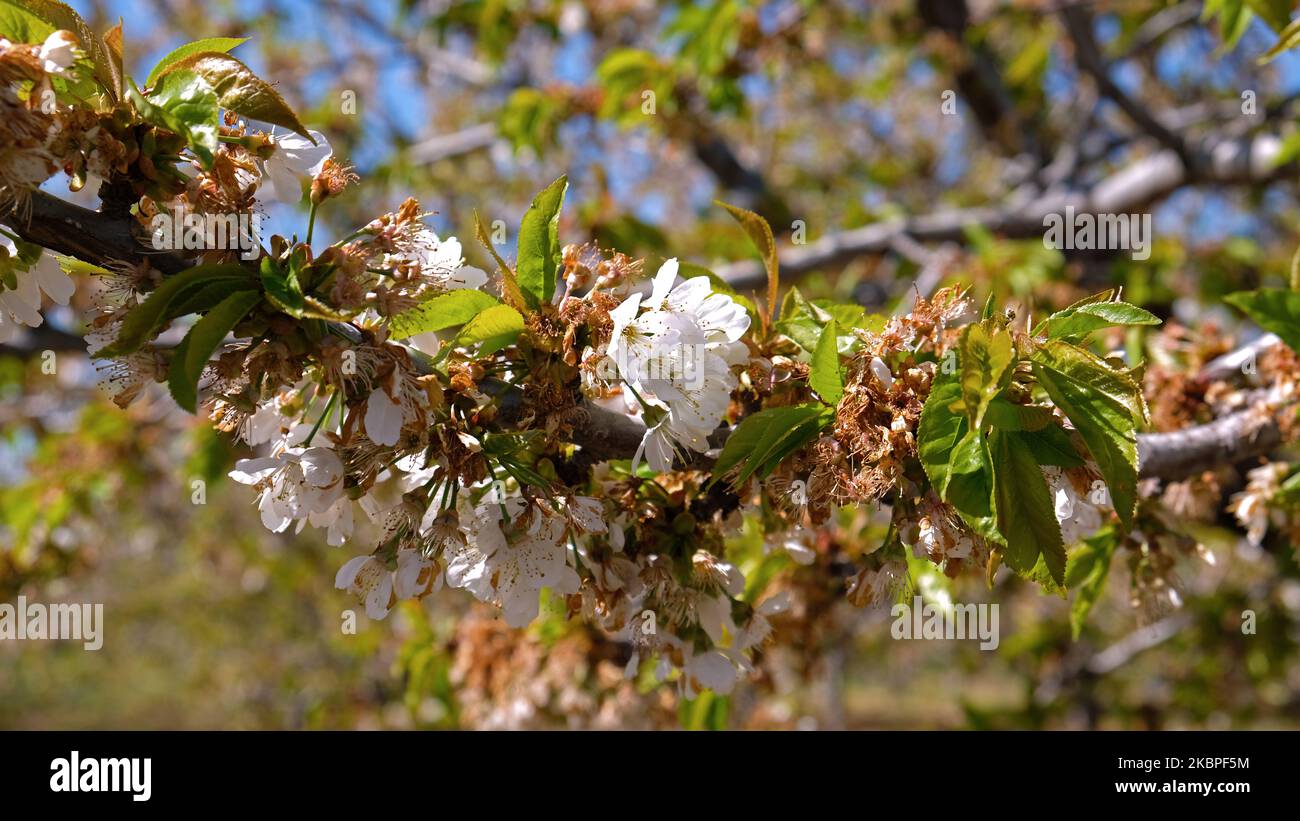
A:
{"x":760,"y":233}
{"x":971,"y":485}
{"x":510,"y":291}
{"x":940,"y":429}
{"x":184,"y":103}
{"x":220,"y":45}
{"x":18,"y":25}
{"x":1007,"y":415}
{"x":494,"y":327}
{"x":756,"y":436}
{"x":1272,"y":309}
{"x":1093,"y":397}
{"x":1052,"y":446}
{"x":1086,"y":573}
{"x":283,"y":288}
{"x":538,"y":262}
{"x":824,"y":373}
{"x":440,"y":312}
{"x":1077,"y":322}
{"x":238,"y":89}
{"x":986,"y":360}
{"x":1025,"y":513}
{"x":141,"y":322}
{"x":192,"y":354}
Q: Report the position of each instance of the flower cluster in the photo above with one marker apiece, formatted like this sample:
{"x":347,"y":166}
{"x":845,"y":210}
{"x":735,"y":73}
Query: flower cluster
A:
{"x":675,"y":352}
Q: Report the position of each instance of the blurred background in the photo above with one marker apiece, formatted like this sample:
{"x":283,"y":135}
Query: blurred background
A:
{"x":825,"y":117}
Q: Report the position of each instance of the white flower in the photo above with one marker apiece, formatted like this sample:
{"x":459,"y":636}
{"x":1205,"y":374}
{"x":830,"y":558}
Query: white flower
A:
{"x":1077,"y":516}
{"x":586,"y":514}
{"x":717,"y":316}
{"x":366,"y":577}
{"x":710,"y":670}
{"x":21,"y":304}
{"x":294,"y":484}
{"x":881,"y":371}
{"x":510,"y":565}
{"x":58,"y":52}
{"x":635,"y":338}
{"x":263,"y":423}
{"x":294,"y":158}
{"x":714,"y":615}
{"x":678,"y":355}
{"x":664,"y":438}
{"x":1250,"y":506}
{"x":416,"y":575}
{"x":336,"y":519}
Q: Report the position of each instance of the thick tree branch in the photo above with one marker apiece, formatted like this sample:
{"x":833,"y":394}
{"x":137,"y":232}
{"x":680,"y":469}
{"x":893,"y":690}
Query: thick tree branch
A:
{"x":91,"y":236}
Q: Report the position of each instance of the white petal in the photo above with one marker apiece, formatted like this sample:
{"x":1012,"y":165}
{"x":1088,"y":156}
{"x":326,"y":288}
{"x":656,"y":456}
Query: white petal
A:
{"x":663,"y":283}
{"x":383,"y":421}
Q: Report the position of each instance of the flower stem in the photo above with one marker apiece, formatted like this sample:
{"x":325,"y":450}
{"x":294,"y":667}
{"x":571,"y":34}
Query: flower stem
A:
{"x":329,"y":410}
{"x":311,"y":221}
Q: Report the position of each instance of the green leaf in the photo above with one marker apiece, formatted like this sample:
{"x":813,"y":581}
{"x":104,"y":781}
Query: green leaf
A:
{"x":1094,"y":399}
{"x":1052,"y":446}
{"x":440,"y":312}
{"x":238,"y":89}
{"x":1025,"y":513}
{"x":283,"y":288}
{"x":184,"y":103}
{"x":1007,"y":415}
{"x":986,"y":360}
{"x":18,"y":25}
{"x":760,"y":233}
{"x":970,"y":489}
{"x":1276,"y":13}
{"x":219,"y":45}
{"x":509,"y":284}
{"x":197,"y":346}
{"x":494,"y":327}
{"x":768,"y":457}
{"x":141,"y":322}
{"x":77,"y":267}
{"x":940,"y":429}
{"x":757,"y":436}
{"x":205,"y":296}
{"x":1077,"y":322}
{"x":538,"y":262}
{"x":1272,"y":309}
{"x":824,"y":375}
{"x":1086,"y":573}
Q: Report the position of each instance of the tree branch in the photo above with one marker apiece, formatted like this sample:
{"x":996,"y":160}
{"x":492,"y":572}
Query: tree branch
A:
{"x":1087,"y":55}
{"x":1228,"y":162}
{"x":91,"y":236}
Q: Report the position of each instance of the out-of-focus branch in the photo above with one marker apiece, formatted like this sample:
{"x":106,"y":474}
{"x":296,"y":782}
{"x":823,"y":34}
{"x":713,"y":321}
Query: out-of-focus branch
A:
{"x":1227,"y":162}
{"x":1078,"y":22}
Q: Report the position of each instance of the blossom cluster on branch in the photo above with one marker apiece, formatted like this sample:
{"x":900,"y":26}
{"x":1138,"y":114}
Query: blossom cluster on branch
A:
{"x":387,"y":380}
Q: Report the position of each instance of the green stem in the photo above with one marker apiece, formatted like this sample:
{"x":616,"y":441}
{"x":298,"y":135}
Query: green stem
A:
{"x":311,"y":221}
{"x":329,"y":409}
